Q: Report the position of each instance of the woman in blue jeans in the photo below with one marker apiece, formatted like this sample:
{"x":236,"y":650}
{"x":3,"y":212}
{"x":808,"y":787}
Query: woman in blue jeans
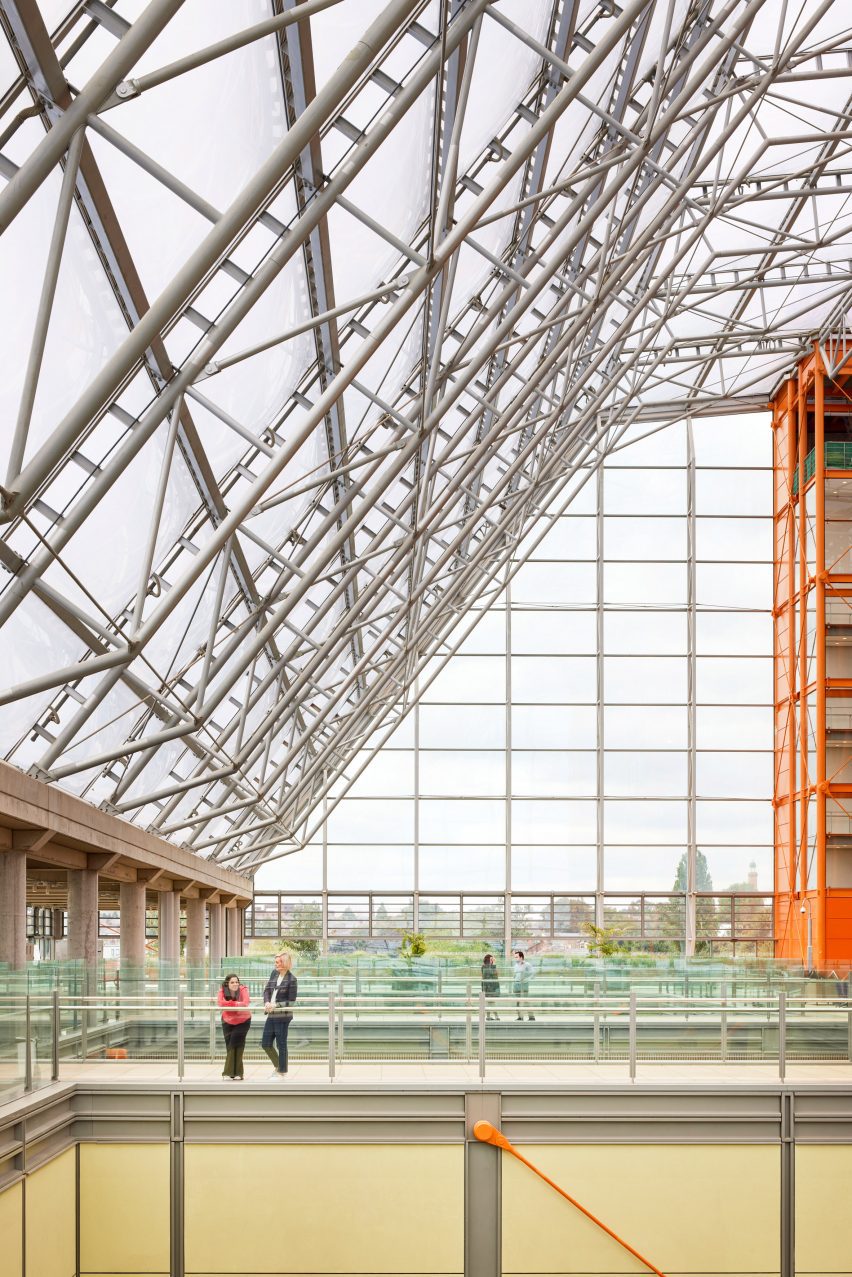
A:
{"x":278,"y":996}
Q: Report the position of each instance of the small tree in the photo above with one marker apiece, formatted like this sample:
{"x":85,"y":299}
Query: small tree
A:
{"x":413,"y":944}
{"x":603,"y":941}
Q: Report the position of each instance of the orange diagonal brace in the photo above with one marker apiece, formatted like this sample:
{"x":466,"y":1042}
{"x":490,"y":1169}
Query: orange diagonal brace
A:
{"x":489,"y":1134}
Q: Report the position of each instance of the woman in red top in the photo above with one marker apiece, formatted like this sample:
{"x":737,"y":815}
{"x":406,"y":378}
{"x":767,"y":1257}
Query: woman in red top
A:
{"x":236,"y":1019}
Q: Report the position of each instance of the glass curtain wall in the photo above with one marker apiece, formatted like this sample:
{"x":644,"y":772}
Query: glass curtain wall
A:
{"x":600,"y":748}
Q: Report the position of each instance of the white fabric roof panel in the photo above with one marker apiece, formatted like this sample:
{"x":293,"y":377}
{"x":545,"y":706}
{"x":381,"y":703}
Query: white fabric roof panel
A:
{"x":337,"y":313}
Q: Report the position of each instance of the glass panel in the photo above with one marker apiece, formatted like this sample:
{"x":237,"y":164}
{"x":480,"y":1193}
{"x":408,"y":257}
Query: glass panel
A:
{"x":645,"y":584}
{"x":651,"y":633}
{"x":644,"y":538}
{"x":729,"y":680}
{"x":652,"y":492}
{"x":445,"y":726}
{"x":555,"y":821}
{"x":554,"y":774}
{"x":734,"y":539}
{"x":553,"y":632}
{"x":469,"y":679}
{"x":645,"y":822}
{"x":477,"y":820}
{"x":539,"y":583}
{"x":372,"y":820}
{"x":298,"y":870}
{"x":733,"y":491}
{"x":553,"y":868}
{"x":651,"y":679}
{"x":734,"y":775}
{"x":647,"y":773}
{"x":645,"y":727}
{"x":549,"y":727}
{"x":458,"y":773}
{"x":462,"y":867}
{"x":553,"y":679}
{"x":352,"y":867}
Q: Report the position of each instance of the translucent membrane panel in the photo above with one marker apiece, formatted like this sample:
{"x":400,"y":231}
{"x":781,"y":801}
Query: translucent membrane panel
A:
{"x":655,"y":680}
{"x":644,"y":584}
{"x":462,"y":820}
{"x":549,"y":727}
{"x":557,"y":774}
{"x":652,"y":773}
{"x":733,"y":634}
{"x":563,"y":583}
{"x":641,"y":633}
{"x":462,"y":868}
{"x":644,"y":538}
{"x":644,"y":822}
{"x":545,"y":868}
{"x":372,"y":820}
{"x":726,"y":774}
{"x":735,"y":823}
{"x":554,"y":821}
{"x":739,"y":868}
{"x":741,"y":440}
{"x":559,"y":632}
{"x":733,"y":491}
{"x":74,"y":352}
{"x":390,"y":773}
{"x":460,"y":772}
{"x":555,"y":679}
{"x":732,"y":680}
{"x":302,"y":870}
{"x":32,"y":641}
{"x":734,"y":539}
{"x":351,"y":868}
{"x":448,"y":726}
{"x":645,"y":727}
{"x":641,"y":869}
{"x":646,"y":491}
{"x":469,"y":679}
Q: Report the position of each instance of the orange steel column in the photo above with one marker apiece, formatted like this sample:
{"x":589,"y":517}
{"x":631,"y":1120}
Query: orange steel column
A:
{"x":819,"y":778}
{"x":812,"y":430}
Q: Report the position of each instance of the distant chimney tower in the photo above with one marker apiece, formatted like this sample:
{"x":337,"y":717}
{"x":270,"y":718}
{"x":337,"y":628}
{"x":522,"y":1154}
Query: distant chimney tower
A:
{"x":752,"y":876}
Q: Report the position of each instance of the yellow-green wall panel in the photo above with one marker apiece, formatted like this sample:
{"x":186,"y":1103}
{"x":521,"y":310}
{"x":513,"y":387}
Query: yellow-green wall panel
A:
{"x":124,"y":1208}
{"x":51,"y":1208}
{"x":288,"y":1208}
{"x":687,"y":1208}
{"x":12,"y":1231}
{"x":823,"y":1215}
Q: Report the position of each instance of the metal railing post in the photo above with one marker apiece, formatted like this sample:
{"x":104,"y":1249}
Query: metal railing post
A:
{"x":331,"y":1057}
{"x":782,"y":1035}
{"x":28,"y":1047}
{"x":84,"y":1017}
{"x":723,"y":1024}
{"x":54,"y":1052}
{"x":596,"y":1023}
{"x":181,"y":1045}
{"x":849,"y":1027}
{"x":340,"y":1030}
{"x":632,"y":1035}
{"x":481,"y":1042}
{"x":468,"y":1030}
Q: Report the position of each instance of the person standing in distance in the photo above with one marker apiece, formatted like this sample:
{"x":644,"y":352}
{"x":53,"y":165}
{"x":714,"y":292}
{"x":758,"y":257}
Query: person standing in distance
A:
{"x":521,"y":976}
{"x":236,"y":1021}
{"x":490,"y":985}
{"x":278,"y":996}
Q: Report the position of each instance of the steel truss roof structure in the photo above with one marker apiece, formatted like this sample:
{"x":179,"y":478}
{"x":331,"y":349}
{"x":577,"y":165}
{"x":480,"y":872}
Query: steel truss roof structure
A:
{"x":319,"y":313}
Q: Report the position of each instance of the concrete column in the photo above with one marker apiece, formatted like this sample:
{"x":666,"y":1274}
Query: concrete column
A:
{"x":168,"y":927}
{"x":234,"y":932}
{"x":13,"y":908}
{"x":131,"y":934}
{"x":216,"y":914}
{"x":83,"y":915}
{"x":196,"y":921}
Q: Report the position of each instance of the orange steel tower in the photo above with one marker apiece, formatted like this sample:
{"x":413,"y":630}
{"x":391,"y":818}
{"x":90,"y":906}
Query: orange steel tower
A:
{"x":812,"y":461}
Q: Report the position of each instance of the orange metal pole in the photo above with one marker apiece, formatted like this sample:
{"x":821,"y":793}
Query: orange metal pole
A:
{"x":819,"y":598}
{"x":792,"y":441}
{"x":489,"y":1134}
{"x":802,"y":422}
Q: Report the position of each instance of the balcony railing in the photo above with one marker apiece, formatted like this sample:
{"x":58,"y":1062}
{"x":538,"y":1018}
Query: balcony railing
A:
{"x":838,"y":456}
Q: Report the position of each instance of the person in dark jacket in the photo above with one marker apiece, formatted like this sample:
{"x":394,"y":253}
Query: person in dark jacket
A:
{"x":236,"y":1021}
{"x":490,"y":984}
{"x":278,"y":996}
